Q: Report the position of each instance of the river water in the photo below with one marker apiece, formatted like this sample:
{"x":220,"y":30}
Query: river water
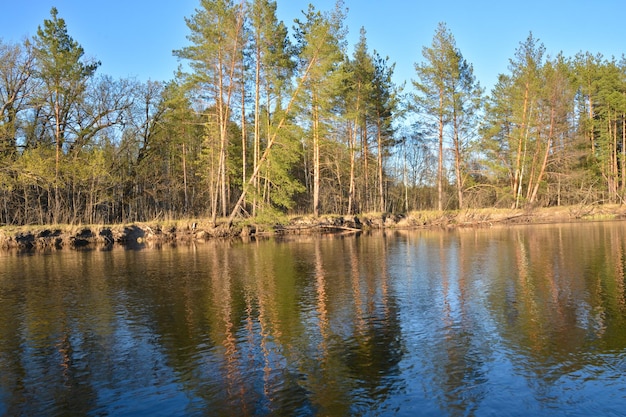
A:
{"x":505,"y":321}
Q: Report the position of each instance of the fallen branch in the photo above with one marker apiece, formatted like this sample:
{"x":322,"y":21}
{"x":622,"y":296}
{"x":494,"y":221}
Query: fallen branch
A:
{"x":330,"y":226}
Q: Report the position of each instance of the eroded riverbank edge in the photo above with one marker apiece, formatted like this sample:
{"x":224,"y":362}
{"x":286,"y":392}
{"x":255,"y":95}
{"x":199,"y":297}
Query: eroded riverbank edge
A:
{"x":186,"y":231}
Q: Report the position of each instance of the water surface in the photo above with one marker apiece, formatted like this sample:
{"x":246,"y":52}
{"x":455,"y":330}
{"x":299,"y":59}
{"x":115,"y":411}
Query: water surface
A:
{"x":511,"y":321}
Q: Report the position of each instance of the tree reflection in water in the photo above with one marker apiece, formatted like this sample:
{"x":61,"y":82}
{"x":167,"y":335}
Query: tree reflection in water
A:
{"x":518,"y":320}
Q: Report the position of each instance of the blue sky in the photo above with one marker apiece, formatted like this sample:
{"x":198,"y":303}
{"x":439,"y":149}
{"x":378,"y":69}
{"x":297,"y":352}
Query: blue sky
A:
{"x":135,"y":38}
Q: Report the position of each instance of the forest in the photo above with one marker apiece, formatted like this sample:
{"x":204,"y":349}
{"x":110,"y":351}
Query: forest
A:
{"x":263,"y":121}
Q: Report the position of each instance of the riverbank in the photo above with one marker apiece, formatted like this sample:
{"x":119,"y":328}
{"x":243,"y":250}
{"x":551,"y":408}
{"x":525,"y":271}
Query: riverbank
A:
{"x":186,"y":231}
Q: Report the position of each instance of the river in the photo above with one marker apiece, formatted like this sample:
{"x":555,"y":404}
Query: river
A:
{"x":502,"y":321}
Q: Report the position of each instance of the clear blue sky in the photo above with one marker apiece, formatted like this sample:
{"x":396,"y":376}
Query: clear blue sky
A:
{"x":136,"y":37}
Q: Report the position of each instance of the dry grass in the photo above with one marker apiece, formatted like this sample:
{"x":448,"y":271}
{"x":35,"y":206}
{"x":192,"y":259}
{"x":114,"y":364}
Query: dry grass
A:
{"x":415,"y":219}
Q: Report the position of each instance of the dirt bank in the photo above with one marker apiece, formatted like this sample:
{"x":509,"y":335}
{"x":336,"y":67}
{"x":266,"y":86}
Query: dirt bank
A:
{"x":77,"y":237}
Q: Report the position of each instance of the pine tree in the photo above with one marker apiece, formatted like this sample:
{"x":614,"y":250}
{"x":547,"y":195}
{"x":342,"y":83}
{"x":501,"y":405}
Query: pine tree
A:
{"x":525,"y":70}
{"x":64,"y":72}
{"x":466,"y":95}
{"x":359,"y":76}
{"x":320,"y":41}
{"x":383,"y":106}
{"x":217,"y":42}
{"x":273,"y":70}
{"x":438,"y":75}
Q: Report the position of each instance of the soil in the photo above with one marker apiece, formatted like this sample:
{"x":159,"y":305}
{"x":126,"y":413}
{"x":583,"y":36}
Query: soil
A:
{"x":79,"y":237}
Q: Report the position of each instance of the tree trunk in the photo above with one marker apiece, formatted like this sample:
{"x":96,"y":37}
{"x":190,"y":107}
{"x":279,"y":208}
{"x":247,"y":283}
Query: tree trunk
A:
{"x":623,"y":160}
{"x":57,"y":164}
{"x":544,"y":163}
{"x":244,"y":138}
{"x":185,"y":176}
{"x":316,"y":159}
{"x":352,"y":138}
{"x":352,"y":145}
{"x":457,"y":159}
{"x":365,"y":151}
{"x":440,"y":158}
{"x":257,"y":120}
{"x":518,"y":160}
{"x":381,"y":188}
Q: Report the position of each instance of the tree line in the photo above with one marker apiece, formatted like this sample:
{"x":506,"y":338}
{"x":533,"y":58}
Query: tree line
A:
{"x":263,"y":121}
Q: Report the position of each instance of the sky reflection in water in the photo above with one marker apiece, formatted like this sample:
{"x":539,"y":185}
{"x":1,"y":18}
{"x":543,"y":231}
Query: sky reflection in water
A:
{"x":502,"y":321}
